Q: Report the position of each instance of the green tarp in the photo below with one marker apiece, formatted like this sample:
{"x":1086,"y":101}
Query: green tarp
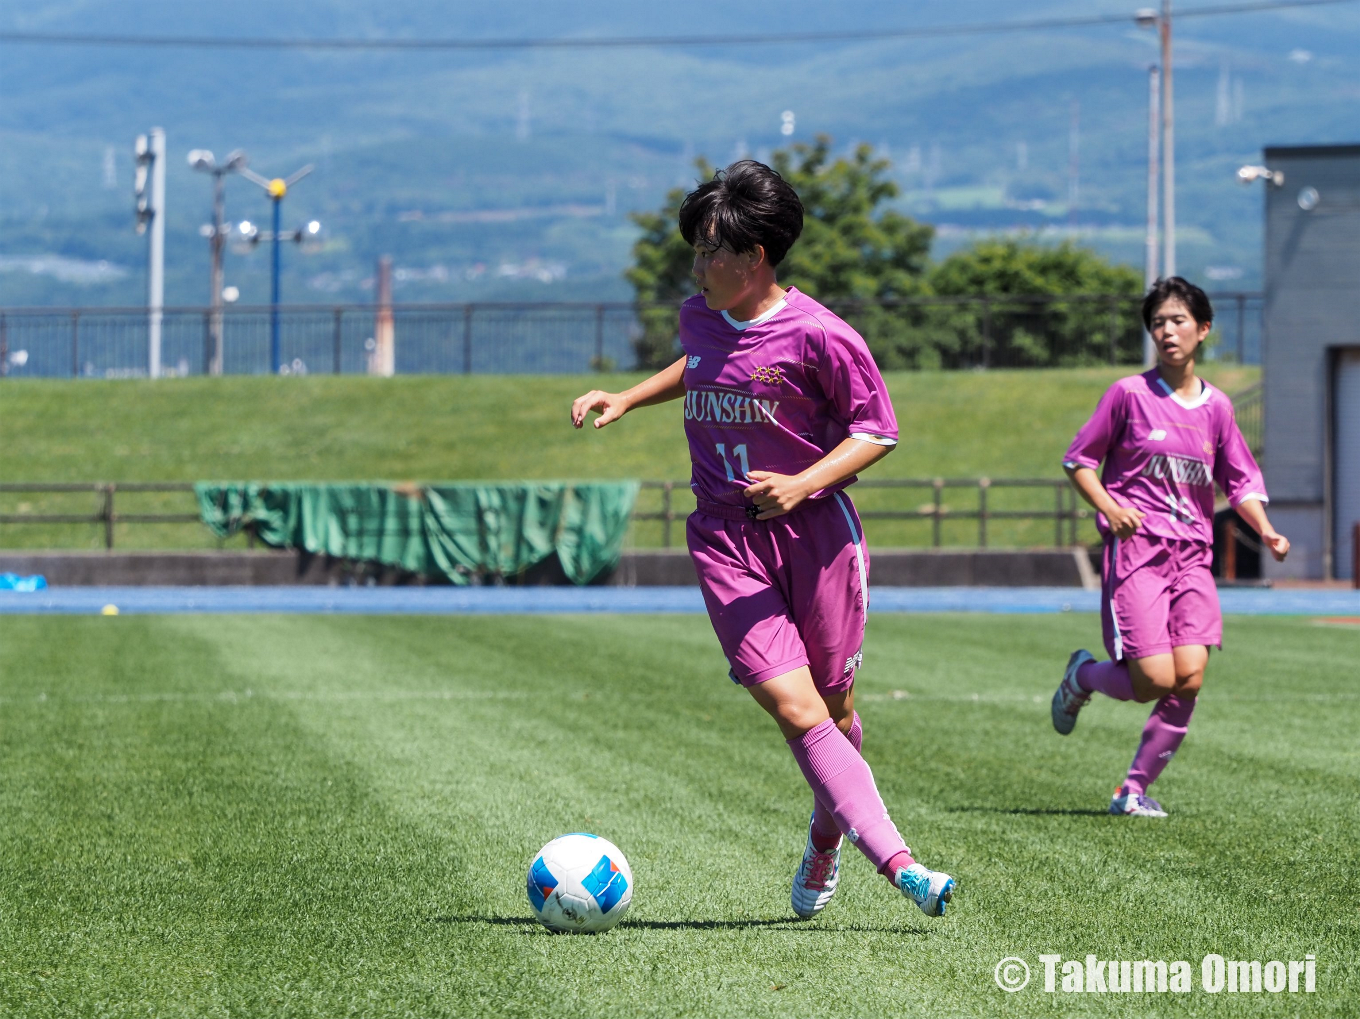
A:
{"x":459,"y":531}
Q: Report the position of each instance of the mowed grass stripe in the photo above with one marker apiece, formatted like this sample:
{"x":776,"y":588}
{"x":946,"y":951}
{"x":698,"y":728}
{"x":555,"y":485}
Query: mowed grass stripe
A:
{"x":349,"y":836}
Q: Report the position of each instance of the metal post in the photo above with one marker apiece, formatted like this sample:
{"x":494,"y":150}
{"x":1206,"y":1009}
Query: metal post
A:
{"x":1114,"y":330}
{"x":599,"y":338}
{"x":986,"y":332}
{"x":207,"y":342}
{"x":275,"y":357}
{"x":106,"y":512}
{"x":1241,"y":328}
{"x":937,"y":510}
{"x":75,"y":344}
{"x":467,"y":339}
{"x":336,"y":336}
{"x":217,"y":243}
{"x":1150,"y":243}
{"x":155,"y":267}
{"x":1168,"y":148}
{"x":983,"y":485}
{"x":668,"y":514}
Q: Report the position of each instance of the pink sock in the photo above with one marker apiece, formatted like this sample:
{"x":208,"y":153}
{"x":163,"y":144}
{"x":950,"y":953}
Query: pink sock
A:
{"x":840,"y":779}
{"x":1109,"y":678}
{"x":825,"y":834}
{"x":1162,"y":735}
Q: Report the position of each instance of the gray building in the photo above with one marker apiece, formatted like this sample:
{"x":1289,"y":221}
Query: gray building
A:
{"x":1311,"y":357}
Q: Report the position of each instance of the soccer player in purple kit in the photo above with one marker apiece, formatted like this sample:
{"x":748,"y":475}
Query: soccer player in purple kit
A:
{"x":783,"y":406}
{"x":1166,"y":436}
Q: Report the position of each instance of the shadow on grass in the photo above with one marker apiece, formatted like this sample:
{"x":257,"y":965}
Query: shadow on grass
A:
{"x":790,"y":924}
{"x":1030,"y":811}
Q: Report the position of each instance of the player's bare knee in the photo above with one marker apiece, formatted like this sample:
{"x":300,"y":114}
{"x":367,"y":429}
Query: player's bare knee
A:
{"x":1188,"y":686}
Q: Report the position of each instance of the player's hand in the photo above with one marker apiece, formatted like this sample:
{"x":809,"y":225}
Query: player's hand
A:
{"x":774,"y":494}
{"x":1277,"y":543}
{"x":610,"y":407}
{"x":1124,"y":520}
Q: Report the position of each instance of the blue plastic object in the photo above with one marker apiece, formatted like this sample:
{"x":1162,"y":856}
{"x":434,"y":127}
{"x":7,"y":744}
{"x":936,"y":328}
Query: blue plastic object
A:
{"x":14,"y":582}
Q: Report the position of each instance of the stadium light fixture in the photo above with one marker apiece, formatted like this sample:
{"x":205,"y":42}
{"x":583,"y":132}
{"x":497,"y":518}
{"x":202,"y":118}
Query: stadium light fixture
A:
{"x":1247,"y":174}
{"x":276,"y":188}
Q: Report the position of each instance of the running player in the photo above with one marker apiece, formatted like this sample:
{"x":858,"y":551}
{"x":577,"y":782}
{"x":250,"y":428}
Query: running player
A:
{"x":783,"y":407}
{"x":1166,"y":437}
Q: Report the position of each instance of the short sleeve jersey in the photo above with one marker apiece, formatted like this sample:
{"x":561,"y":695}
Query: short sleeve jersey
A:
{"x":775,"y":394}
{"x":1164,"y":453}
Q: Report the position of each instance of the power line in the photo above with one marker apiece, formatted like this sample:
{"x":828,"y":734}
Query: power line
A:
{"x":928,"y":32}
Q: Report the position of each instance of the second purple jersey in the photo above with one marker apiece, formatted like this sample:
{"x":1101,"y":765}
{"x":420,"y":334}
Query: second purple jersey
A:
{"x":1163,"y":453}
{"x":775,"y":394}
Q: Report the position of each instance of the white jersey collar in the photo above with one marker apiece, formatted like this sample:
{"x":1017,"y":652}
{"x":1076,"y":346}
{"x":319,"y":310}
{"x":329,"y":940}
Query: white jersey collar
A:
{"x":739,"y":326}
{"x":1198,"y":401}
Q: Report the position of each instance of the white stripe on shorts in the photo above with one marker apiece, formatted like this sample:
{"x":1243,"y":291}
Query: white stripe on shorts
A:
{"x":1118,"y":637}
{"x":859,"y":549}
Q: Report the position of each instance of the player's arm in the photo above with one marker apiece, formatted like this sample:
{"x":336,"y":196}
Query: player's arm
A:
{"x":1124,"y":520}
{"x":667,"y":384}
{"x":777,"y":494}
{"x":1254,"y":513}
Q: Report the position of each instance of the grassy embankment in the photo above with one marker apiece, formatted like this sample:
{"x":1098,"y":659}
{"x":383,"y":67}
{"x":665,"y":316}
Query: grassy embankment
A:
{"x":1000,"y":424}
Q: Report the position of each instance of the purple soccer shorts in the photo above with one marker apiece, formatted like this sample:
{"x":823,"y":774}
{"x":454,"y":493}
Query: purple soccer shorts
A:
{"x":1157,"y":594}
{"x":786,"y":592}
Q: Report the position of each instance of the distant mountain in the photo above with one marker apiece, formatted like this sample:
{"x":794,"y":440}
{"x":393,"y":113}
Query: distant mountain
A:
{"x":508,"y":174}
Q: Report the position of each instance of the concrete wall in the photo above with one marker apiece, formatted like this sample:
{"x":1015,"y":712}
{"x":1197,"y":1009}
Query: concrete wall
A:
{"x":1312,"y":307}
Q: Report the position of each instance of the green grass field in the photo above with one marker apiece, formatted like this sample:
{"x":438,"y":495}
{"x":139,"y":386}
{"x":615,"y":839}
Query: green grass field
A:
{"x":332,"y":816}
{"x":1000,"y":424}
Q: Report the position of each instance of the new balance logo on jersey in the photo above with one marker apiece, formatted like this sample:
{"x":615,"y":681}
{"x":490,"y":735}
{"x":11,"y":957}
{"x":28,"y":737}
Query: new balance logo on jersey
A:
{"x":693,"y":361}
{"x":1180,"y":469}
{"x":713,"y":407}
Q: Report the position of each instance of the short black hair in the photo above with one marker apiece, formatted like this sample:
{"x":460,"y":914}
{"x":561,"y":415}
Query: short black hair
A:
{"x":1196,"y":301}
{"x":746,"y":205}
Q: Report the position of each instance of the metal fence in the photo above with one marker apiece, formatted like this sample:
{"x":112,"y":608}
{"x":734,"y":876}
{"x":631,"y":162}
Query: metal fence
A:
{"x":549,"y":338}
{"x":676,"y":501}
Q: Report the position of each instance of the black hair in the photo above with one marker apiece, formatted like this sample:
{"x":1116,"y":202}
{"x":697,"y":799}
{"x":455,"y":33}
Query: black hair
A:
{"x":1196,"y":301}
{"x":746,"y":205}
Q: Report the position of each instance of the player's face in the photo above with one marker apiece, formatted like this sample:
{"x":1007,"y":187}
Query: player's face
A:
{"x":1176,"y":333}
{"x":725,"y":277}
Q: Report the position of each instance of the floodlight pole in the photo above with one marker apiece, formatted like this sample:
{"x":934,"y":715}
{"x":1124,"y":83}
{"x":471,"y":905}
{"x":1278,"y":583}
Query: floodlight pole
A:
{"x":155,"y":252}
{"x":1150,"y":261}
{"x":274,"y":349}
{"x":218,"y":243}
{"x":1168,"y":148}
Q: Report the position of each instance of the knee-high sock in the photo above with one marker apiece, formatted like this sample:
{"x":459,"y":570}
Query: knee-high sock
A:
{"x":1162,"y":735}
{"x":840,"y":779}
{"x":1109,"y":678}
{"x":825,"y":834}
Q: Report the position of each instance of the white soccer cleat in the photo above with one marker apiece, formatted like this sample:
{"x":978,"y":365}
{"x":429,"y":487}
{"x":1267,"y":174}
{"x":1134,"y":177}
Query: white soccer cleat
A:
{"x":1070,"y":698}
{"x":815,"y":882}
{"x":1134,"y":805}
{"x":929,"y":889}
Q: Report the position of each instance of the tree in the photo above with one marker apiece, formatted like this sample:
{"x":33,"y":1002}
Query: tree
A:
{"x":1092,"y":326}
{"x":851,"y":256}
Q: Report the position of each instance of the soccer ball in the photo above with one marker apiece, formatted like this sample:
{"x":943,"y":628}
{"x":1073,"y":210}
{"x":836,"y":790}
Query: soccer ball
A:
{"x":580,"y":884}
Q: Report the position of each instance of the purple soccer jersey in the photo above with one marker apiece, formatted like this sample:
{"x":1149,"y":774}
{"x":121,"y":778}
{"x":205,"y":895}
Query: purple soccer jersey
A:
{"x":1163,"y":454}
{"x":775,"y":394}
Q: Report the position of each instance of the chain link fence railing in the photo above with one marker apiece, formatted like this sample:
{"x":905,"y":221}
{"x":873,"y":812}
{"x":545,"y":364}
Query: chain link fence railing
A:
{"x":557,"y":338}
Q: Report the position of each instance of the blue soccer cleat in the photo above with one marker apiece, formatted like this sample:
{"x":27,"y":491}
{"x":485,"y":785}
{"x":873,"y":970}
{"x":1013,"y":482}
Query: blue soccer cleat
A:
{"x":816,"y":880}
{"x":1070,"y":697}
{"x":929,"y":889}
{"x":1134,"y":805}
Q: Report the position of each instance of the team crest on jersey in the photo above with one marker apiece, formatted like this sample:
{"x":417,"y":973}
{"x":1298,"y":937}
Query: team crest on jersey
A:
{"x":693,"y":361}
{"x":1208,"y":448}
{"x":770,"y":376}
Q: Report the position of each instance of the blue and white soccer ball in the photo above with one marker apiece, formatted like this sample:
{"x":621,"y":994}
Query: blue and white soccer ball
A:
{"x":580,"y":884}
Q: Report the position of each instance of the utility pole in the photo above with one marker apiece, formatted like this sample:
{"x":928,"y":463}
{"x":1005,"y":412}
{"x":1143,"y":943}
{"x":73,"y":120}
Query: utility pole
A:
{"x":202,"y":159}
{"x":149,"y":185}
{"x":1150,"y":261}
{"x":1168,"y":148}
